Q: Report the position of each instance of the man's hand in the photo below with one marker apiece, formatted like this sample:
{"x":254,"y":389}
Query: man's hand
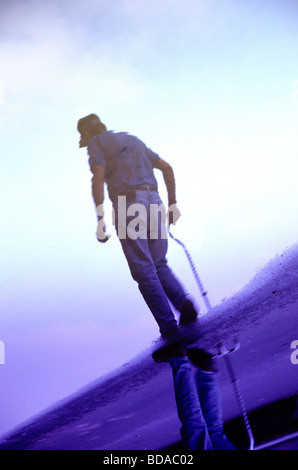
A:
{"x":101,"y":234}
{"x":174,"y":214}
{"x":98,"y":180}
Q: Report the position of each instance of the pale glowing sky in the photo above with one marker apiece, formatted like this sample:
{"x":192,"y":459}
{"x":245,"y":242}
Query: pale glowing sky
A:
{"x":212,"y":86}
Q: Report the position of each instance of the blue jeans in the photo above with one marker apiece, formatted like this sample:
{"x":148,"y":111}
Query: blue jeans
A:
{"x":146,"y":254}
{"x":199,"y":407}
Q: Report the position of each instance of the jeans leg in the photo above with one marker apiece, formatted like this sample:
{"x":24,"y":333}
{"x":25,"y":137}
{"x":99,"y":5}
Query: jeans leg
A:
{"x":210,"y":399}
{"x":194,"y":431}
{"x":139,"y":257}
{"x":143,"y":271}
{"x":170,"y":284}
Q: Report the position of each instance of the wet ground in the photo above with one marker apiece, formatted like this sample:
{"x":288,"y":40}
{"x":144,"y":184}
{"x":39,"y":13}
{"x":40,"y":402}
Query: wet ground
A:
{"x":134,"y":408}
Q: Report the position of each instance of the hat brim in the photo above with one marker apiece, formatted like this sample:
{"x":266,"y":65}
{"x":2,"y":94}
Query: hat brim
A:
{"x":83,"y":142}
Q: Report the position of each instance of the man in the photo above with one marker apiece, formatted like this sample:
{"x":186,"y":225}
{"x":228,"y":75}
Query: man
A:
{"x":126,"y":165}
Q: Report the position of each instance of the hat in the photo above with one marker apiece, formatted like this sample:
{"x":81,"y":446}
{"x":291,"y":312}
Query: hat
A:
{"x":88,"y":122}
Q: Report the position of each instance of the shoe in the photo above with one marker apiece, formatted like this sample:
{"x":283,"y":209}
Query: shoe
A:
{"x":202,"y":359}
{"x":169,"y":351}
{"x":188,"y":313}
{"x":171,"y":334}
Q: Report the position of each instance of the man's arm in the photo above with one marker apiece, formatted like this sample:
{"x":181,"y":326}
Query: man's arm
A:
{"x":98,"y":181}
{"x":169,"y":179}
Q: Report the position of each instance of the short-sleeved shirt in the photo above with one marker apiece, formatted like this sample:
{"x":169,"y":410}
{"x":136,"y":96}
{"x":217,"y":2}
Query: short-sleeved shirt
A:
{"x":127,"y":161}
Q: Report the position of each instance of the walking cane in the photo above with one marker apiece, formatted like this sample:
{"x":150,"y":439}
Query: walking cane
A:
{"x":200,"y":285}
{"x":225,"y":353}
